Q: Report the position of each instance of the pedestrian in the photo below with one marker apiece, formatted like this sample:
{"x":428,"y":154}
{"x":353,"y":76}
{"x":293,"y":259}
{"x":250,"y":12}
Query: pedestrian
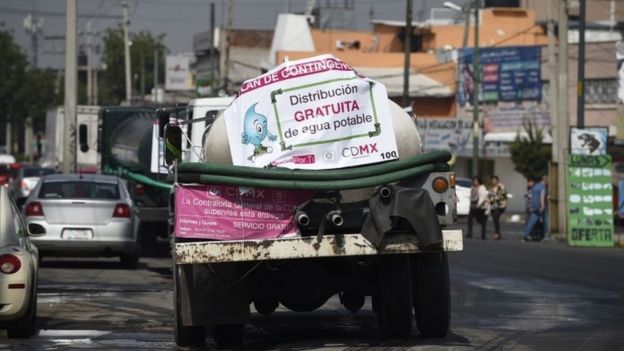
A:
{"x":478,"y":206}
{"x":536,"y":209}
{"x":544,"y":203}
{"x":527,"y":200}
{"x":498,"y":204}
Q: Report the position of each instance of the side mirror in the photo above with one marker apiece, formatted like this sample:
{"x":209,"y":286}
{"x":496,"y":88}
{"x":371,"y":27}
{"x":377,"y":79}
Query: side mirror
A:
{"x":173,"y":144}
{"x":35,"y":229}
{"x":20,"y":201}
{"x":163,"y":119}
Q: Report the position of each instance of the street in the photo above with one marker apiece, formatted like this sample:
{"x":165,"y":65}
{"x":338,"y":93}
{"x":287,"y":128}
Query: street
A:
{"x":506,"y":295}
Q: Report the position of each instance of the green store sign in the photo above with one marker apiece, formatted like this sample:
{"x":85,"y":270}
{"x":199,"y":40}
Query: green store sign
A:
{"x":590,"y":201}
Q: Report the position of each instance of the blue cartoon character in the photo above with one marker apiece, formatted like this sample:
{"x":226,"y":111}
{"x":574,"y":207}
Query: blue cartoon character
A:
{"x":255,"y":130}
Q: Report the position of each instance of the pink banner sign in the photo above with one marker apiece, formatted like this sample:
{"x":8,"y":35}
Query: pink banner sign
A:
{"x":221,"y":212}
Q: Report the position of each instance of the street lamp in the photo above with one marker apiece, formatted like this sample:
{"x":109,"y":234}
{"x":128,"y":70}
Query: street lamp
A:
{"x":475,"y":73}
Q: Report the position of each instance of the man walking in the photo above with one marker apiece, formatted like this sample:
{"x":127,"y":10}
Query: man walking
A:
{"x":537,"y":207}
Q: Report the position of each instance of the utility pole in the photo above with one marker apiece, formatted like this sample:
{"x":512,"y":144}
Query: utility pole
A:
{"x":228,"y":40}
{"x":213,"y":61}
{"x":156,"y":69}
{"x":563,"y":127}
{"x":89,"y":64}
{"x":126,"y":24}
{"x":95,"y":86}
{"x":142,"y":93}
{"x":408,"y":51}
{"x":553,"y":79}
{"x":580,"y":84}
{"x":71,"y":86}
{"x":476,"y":127}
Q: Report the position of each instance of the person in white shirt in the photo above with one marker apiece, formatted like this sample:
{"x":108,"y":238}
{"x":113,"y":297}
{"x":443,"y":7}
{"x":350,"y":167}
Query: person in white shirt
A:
{"x":478,"y":206}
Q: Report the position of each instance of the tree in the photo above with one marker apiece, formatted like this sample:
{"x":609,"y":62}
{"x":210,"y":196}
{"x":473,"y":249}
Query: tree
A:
{"x":528,"y":152}
{"x":112,"y":88}
{"x":25,"y":92}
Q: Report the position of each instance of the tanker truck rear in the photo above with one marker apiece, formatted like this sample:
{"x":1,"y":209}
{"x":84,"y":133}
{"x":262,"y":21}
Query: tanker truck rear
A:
{"x":125,"y":142}
{"x":311,"y":186}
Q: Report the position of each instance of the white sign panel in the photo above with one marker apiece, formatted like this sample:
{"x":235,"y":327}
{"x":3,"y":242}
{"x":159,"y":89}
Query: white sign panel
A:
{"x":177,"y":75}
{"x":315,"y":113}
{"x":588,"y":141}
{"x":158,"y":152}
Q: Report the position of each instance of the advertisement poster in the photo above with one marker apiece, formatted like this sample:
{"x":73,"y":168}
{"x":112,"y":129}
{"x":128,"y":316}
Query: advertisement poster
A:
{"x":507,"y":74}
{"x":454,"y":135}
{"x":177,"y":73}
{"x":315,"y":113}
{"x":221,"y":212}
{"x":590,"y":201}
{"x":588,"y":141}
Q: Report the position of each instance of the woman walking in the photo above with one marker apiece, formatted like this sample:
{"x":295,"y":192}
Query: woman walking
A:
{"x":478,"y":206}
{"x":498,"y":203}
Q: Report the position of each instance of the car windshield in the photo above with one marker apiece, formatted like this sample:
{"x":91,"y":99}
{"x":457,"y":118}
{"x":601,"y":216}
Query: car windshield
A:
{"x":79,"y":190}
{"x":37,"y":172}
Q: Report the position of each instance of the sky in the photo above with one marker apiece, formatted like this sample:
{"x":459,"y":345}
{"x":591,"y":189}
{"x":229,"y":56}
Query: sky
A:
{"x":177,"y":19}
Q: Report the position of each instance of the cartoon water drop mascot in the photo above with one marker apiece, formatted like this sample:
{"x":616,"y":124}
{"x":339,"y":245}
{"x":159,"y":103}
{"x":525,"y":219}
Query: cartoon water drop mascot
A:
{"x":255,"y":130}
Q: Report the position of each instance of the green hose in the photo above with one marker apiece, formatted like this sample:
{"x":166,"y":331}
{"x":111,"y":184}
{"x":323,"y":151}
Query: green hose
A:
{"x":317,"y":185}
{"x":149,"y":181}
{"x":213,"y":169}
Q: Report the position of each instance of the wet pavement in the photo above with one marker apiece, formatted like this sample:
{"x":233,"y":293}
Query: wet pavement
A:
{"x":506,"y":295}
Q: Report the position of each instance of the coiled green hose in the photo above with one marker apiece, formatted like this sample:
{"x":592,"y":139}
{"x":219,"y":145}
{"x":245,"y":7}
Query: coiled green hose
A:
{"x":316,"y":185}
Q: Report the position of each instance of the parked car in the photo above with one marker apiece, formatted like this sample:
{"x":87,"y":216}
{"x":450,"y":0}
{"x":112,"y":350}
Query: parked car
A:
{"x":8,"y":168}
{"x":85,"y":215}
{"x":462,"y":191}
{"x":27,"y":178}
{"x":18,"y":270}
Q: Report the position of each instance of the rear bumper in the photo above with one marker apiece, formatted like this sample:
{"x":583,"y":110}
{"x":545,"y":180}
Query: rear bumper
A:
{"x":301,"y":247}
{"x":116,"y":237}
{"x":14,"y":302}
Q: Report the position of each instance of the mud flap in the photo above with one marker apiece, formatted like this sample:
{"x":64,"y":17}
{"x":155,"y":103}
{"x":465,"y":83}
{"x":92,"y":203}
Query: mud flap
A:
{"x":213,"y":294}
{"x":414,"y":205}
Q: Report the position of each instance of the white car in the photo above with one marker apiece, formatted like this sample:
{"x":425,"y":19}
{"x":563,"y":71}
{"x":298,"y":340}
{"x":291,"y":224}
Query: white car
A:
{"x":18,"y":270}
{"x":462,"y":191}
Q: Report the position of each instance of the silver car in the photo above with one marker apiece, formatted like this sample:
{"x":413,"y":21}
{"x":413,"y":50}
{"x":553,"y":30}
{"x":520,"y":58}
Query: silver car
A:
{"x":85,"y":215}
{"x":18,"y":270}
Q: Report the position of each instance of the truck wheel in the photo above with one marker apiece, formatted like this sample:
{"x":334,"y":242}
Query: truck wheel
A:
{"x":185,"y":335}
{"x":130,"y":261}
{"x":394,"y":297}
{"x":432,"y":294}
{"x":266,"y":306}
{"x":228,"y":336}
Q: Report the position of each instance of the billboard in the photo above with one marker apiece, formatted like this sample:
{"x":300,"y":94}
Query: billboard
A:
{"x":178,"y":73}
{"x":507,"y":74}
{"x":588,"y":141}
{"x":590,"y":201}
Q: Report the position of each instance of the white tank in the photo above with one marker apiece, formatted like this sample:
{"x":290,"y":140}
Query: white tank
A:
{"x":217,"y":149}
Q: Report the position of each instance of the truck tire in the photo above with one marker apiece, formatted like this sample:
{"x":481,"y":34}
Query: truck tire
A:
{"x":432,"y":294}
{"x":394,"y":297}
{"x":185,"y":335}
{"x":228,"y":336}
{"x":266,"y":306}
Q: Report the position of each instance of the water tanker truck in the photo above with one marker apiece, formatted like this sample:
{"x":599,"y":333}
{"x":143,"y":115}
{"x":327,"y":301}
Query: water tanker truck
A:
{"x":275,"y":214}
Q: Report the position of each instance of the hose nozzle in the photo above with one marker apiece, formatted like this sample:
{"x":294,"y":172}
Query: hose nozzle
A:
{"x":385,"y":192}
{"x":335,"y":218}
{"x":302,"y":218}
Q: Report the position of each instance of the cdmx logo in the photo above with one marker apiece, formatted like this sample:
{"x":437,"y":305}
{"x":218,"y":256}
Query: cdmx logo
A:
{"x":360,"y":150}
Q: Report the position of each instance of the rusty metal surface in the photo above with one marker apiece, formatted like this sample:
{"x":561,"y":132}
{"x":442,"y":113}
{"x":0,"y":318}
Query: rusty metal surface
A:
{"x":299,"y":247}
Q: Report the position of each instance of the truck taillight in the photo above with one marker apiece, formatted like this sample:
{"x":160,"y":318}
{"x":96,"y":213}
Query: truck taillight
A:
{"x":34,"y":209}
{"x":121,"y":211}
{"x":440,"y":185}
{"x":139,"y":189}
{"x":9,"y":264}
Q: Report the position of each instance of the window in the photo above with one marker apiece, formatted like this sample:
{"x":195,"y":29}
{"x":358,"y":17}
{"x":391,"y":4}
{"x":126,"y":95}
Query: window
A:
{"x":79,"y":190}
{"x":601,"y":91}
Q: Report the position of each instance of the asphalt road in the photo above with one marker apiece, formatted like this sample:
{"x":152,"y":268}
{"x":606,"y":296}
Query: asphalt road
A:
{"x":506,"y":295}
